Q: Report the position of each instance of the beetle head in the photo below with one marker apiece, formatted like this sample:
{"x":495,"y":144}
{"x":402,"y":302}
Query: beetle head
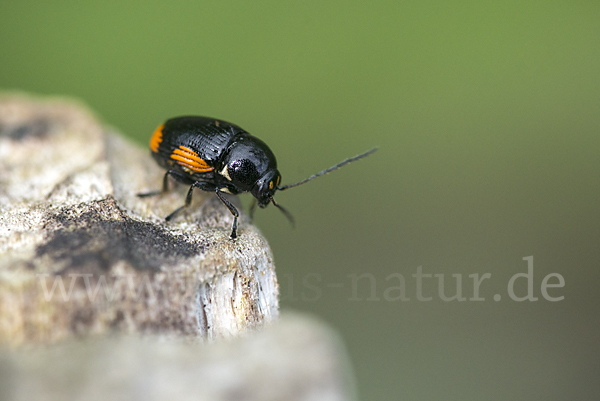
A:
{"x":265,"y":187}
{"x":264,"y":190}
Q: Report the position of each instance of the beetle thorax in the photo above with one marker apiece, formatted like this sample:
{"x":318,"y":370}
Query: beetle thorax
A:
{"x":248,"y":160}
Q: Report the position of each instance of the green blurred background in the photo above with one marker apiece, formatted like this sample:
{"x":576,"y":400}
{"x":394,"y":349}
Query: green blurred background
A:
{"x":487,"y":115}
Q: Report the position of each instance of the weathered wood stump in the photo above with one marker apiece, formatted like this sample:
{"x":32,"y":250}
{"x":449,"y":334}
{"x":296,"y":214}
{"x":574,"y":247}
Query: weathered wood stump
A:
{"x":81,"y":253}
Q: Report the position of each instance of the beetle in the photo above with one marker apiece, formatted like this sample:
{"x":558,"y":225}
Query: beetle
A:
{"x":216,"y":156}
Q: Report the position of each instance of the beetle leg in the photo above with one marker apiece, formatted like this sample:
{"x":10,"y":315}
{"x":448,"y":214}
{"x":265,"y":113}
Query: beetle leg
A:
{"x":165,"y":186}
{"x":252,"y":209}
{"x":188,"y":198}
{"x":233,"y":211}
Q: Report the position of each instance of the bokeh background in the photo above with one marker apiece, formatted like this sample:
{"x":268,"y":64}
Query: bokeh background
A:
{"x":487,"y":116}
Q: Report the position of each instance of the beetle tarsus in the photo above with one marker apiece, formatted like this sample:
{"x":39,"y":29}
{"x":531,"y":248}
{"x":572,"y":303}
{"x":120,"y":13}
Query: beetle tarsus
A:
{"x":148,"y":194}
{"x":188,"y":201}
{"x":174,"y":213}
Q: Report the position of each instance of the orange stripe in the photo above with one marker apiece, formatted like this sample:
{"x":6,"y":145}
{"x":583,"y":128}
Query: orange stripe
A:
{"x":189,"y":154}
{"x":193,"y":155}
{"x":191,"y":158}
{"x":186,"y":149}
{"x":191,"y":164}
{"x":156,"y":139}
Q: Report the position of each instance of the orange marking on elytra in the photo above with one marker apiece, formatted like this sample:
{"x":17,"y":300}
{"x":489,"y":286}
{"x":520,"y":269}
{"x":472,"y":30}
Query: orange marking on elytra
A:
{"x":189,"y":153}
{"x":156,"y":139}
{"x":188,"y":158}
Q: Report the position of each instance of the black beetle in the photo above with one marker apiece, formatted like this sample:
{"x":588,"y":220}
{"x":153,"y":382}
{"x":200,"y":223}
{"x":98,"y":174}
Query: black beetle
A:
{"x":217,"y":156}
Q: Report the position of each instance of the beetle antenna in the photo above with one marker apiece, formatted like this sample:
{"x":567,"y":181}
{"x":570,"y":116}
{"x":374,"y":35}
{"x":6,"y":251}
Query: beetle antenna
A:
{"x":350,"y":160}
{"x":285,"y":212}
